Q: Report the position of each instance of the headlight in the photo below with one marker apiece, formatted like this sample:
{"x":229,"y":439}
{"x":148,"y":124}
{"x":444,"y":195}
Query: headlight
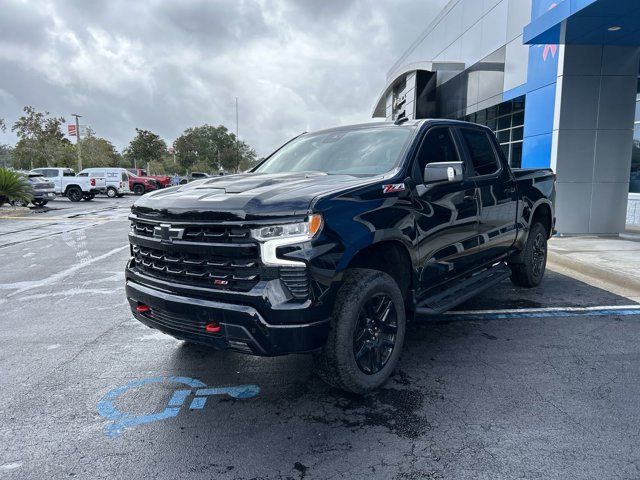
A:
{"x":300,"y":231}
{"x":275,"y":236}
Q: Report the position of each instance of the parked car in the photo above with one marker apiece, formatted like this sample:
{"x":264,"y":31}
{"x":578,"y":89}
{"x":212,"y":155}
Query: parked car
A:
{"x":42,"y":190}
{"x":73,"y":187}
{"x":163,"y":180}
{"x":117,"y":179}
{"x":194,"y":176}
{"x":142,"y":185}
{"x":337,"y":240}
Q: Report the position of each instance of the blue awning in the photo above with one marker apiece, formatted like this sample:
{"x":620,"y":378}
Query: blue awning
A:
{"x":587,"y":22}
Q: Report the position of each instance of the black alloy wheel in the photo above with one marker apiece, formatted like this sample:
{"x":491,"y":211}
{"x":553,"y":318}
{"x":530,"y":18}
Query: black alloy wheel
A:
{"x":74,"y":194}
{"x":374,"y":337}
{"x":539,"y":254}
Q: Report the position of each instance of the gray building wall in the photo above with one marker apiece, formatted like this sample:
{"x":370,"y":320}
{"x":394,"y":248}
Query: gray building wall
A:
{"x":593,"y":136}
{"x":467,"y":34}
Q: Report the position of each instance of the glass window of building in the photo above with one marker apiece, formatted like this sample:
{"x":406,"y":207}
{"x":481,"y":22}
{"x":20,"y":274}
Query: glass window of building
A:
{"x":507,"y":121}
{"x":634,"y":176}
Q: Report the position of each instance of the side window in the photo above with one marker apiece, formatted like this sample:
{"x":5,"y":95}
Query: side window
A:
{"x":481,"y":151}
{"x":50,"y":173}
{"x":437,"y":146}
{"x":125,"y":177}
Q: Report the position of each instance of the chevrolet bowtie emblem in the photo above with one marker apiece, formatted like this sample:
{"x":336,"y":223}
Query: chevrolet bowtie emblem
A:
{"x":167,"y":233}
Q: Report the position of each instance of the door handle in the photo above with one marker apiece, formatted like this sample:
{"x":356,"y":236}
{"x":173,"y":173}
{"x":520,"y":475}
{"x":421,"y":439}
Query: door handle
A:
{"x":511,"y":189}
{"x":469,"y":198}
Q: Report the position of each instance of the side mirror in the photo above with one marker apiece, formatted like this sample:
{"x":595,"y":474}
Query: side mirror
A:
{"x":443,"y":172}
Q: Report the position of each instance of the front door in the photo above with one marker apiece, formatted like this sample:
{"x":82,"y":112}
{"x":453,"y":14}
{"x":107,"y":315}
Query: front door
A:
{"x":446,"y":214}
{"x":497,"y":195}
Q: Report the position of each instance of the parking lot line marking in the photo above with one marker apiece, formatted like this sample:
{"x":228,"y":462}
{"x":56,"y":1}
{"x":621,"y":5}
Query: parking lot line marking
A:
{"x":545,"y":309}
{"x":28,"y":285}
{"x":506,"y":314}
{"x":7,"y":217}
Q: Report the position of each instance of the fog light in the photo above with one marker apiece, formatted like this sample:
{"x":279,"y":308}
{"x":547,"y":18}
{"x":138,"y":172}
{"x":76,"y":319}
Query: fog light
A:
{"x":143,"y":308}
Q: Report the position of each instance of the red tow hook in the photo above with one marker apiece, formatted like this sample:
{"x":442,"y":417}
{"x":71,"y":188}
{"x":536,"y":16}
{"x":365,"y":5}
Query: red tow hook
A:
{"x":212,"y":328}
{"x":143,"y":308}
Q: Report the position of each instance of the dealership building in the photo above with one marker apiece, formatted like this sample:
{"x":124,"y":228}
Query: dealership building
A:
{"x":557,"y":80}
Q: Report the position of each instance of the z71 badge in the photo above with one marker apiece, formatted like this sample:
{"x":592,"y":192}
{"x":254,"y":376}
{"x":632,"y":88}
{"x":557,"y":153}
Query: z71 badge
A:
{"x":394,"y":187}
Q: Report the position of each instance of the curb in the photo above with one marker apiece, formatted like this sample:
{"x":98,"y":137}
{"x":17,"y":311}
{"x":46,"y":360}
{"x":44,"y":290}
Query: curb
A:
{"x":14,"y":212}
{"x":599,"y":274}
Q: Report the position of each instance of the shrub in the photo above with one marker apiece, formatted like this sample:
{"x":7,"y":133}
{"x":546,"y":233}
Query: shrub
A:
{"x":14,"y":187}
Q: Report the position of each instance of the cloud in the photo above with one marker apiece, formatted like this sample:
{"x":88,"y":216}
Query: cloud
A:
{"x":295,"y":65}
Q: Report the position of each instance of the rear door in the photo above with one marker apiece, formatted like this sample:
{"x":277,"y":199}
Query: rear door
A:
{"x":446,"y":213}
{"x":497,"y":194}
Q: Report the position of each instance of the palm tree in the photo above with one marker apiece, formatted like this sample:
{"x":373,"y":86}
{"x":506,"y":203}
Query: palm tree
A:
{"x":14,"y":187}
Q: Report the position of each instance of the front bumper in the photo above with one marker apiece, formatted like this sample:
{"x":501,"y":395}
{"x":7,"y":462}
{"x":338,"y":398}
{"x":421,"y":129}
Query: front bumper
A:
{"x":243,"y":328}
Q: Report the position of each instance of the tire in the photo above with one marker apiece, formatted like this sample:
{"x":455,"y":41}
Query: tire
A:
{"x":74,"y":194}
{"x":40,"y":202}
{"x":377,"y":343}
{"x":112,"y":192}
{"x":529,"y":273}
{"x":138,"y":189}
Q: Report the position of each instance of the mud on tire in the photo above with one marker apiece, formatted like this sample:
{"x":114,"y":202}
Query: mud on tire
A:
{"x":366,"y":335}
{"x":529,"y":273}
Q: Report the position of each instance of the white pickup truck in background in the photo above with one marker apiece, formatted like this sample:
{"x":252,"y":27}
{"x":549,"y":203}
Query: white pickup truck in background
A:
{"x":73,"y":187}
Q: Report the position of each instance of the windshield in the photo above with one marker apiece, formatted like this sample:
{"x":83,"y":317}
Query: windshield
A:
{"x":362,"y":151}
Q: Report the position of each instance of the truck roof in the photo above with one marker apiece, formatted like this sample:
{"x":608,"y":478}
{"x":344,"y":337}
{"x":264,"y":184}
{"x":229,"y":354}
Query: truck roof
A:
{"x":407,"y":123}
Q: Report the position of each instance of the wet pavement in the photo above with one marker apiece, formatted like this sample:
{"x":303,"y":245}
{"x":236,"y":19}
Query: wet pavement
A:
{"x":88,"y":392}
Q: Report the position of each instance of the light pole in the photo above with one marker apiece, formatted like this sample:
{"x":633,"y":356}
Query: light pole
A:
{"x":78,"y":147}
{"x":237,"y":140}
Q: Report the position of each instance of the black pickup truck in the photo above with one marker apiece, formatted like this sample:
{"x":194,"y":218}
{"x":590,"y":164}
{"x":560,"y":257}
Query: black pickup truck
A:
{"x":337,"y":240}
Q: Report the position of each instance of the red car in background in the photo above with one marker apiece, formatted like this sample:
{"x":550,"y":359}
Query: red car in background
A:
{"x":163,"y":180}
{"x":141,"y":185}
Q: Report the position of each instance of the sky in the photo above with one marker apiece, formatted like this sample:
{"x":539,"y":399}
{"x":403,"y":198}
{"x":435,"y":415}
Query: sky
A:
{"x":295,"y":65}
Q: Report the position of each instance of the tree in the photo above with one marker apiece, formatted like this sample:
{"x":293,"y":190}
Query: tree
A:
{"x":145,"y":147}
{"x":6,"y":156}
{"x":238,"y":158}
{"x":202,"y":146}
{"x":98,"y":152}
{"x":40,"y":139}
{"x":3,"y":127}
{"x":14,"y":186}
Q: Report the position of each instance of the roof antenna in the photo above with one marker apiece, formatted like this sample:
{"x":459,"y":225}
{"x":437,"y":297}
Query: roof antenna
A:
{"x":401,"y":120}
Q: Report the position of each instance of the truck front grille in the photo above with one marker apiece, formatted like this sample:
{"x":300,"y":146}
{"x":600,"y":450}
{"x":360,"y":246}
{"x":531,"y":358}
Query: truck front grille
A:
{"x":213,"y":256}
{"x":240,"y":273}
{"x":200,"y":234}
{"x":218,"y":257}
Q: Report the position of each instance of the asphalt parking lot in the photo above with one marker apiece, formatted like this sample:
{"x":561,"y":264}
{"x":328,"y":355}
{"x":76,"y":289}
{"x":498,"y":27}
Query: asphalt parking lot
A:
{"x":540,"y":383}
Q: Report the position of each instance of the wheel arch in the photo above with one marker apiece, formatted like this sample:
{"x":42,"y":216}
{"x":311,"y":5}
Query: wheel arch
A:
{"x":389,"y":256}
{"x":543,"y":213}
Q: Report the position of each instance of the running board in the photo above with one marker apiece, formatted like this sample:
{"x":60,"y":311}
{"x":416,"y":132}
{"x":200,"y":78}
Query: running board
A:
{"x":470,"y":287}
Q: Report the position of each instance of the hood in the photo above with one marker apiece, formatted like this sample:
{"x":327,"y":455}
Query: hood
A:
{"x":245,"y":196}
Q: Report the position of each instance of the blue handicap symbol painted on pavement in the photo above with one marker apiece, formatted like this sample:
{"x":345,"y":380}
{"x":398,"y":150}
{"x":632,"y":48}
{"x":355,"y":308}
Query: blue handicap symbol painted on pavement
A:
{"x":123,"y":420}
